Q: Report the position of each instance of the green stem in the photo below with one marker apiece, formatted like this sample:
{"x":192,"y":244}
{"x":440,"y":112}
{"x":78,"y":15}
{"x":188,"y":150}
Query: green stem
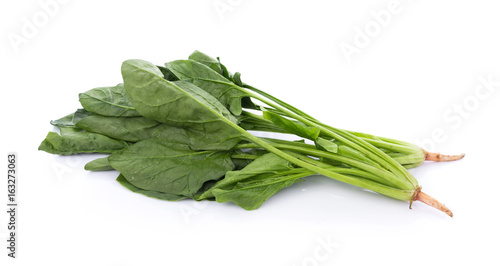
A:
{"x":416,"y":155}
{"x":340,"y":170}
{"x":391,"y":146}
{"x":244,"y":156}
{"x":410,"y":159}
{"x":346,"y":138}
{"x":385,"y":177}
{"x":397,"y":193}
{"x":350,"y":140}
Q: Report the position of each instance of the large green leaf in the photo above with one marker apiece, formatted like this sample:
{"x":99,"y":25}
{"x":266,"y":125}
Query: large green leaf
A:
{"x":162,"y":166}
{"x":135,"y":129}
{"x":108,"y":101}
{"x":179,"y":104}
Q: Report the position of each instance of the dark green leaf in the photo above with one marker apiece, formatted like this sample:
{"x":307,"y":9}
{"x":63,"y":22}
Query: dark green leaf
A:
{"x":166,"y":102}
{"x":134,"y":129}
{"x":265,"y":164}
{"x":74,"y":142}
{"x":108,"y":101}
{"x":212,"y":82}
{"x":250,"y":187}
{"x":206,"y":99}
{"x":252,"y":194}
{"x":131,"y":129}
{"x":158,"y":165}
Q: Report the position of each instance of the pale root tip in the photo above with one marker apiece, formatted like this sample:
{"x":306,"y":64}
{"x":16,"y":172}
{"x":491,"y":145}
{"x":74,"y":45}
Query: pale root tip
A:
{"x":421,"y":196}
{"x":438,"y":157}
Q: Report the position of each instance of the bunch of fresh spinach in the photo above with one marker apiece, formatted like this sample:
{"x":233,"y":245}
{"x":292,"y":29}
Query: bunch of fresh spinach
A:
{"x":183,"y":130}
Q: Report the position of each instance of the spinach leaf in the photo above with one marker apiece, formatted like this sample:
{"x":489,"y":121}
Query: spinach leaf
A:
{"x":134,"y":129}
{"x":165,"y":101}
{"x":131,"y":129}
{"x":162,"y":166}
{"x":108,"y":101}
{"x":250,"y":187}
{"x":212,"y":63}
{"x":212,"y":82}
{"x":252,"y":194}
{"x":206,"y":60}
{"x":66,"y":121}
{"x":267,"y":163}
{"x":71,"y":119}
{"x":73,"y":141}
{"x":152,"y":194}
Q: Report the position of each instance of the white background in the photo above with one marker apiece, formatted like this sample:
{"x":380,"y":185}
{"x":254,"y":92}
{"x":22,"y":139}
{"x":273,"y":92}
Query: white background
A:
{"x":415,"y":77}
